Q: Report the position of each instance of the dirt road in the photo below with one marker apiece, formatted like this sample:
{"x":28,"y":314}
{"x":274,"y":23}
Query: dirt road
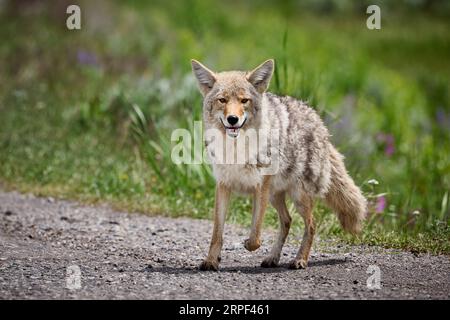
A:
{"x":60,"y":249}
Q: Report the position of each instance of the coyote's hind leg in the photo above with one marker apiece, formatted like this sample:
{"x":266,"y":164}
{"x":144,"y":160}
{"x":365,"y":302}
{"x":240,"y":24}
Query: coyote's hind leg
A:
{"x":278,"y":201}
{"x":304,"y":204}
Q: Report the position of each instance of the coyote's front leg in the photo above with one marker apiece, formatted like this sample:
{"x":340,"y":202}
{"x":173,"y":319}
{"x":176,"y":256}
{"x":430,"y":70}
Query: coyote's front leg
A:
{"x":260,"y":199}
{"x":220,"y":212}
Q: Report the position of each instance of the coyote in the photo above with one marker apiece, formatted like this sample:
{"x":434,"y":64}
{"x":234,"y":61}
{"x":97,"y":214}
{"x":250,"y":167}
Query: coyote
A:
{"x":309,"y":165}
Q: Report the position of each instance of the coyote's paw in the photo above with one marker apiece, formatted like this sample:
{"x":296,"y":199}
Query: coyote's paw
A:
{"x":207,"y":265}
{"x":252,"y":245}
{"x":270,"y":262}
{"x":298,"y":264}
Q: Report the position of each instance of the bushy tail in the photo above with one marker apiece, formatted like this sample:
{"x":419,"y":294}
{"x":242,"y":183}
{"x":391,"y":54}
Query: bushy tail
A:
{"x":344,"y":197}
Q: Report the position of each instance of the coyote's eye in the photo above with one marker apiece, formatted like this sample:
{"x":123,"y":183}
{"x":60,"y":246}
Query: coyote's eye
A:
{"x":244,"y":101}
{"x":223,"y":100}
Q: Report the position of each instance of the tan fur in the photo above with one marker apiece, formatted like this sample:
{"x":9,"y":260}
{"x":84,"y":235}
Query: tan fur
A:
{"x":278,"y":201}
{"x":304,"y":205}
{"x":260,"y":199}
{"x":220,"y":211}
{"x":309,"y":166}
{"x":344,"y":197}
{"x":234,"y":107}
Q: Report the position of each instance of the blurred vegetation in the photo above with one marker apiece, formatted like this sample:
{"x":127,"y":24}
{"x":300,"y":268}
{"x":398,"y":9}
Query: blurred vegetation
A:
{"x":88,"y":114}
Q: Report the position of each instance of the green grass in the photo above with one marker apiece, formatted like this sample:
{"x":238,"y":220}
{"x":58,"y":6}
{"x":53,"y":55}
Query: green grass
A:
{"x":88,"y":114}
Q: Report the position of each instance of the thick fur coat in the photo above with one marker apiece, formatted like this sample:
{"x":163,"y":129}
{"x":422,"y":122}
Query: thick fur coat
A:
{"x":308,"y":166}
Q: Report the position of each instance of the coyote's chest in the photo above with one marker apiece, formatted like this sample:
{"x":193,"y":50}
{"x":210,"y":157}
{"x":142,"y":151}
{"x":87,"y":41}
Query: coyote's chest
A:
{"x":243,"y":178}
{"x":235,"y":163}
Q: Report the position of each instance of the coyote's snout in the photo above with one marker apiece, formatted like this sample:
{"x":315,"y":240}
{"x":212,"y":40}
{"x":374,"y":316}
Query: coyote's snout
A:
{"x":309,"y":167}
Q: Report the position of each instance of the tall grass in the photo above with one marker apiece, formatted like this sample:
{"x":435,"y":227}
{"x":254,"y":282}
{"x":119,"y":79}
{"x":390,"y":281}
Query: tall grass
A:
{"x":90,"y":114}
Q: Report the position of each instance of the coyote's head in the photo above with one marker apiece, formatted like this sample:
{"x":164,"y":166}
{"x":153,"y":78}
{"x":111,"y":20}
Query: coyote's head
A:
{"x":232,"y":99}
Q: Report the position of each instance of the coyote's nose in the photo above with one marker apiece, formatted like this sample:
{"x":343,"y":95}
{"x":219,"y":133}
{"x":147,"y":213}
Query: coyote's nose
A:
{"x":232,"y":120}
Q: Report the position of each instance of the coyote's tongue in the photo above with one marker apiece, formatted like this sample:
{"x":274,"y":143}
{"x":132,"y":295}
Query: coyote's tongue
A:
{"x":232,"y":132}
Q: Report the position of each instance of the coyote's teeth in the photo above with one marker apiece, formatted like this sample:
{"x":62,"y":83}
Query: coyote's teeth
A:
{"x":232,"y":132}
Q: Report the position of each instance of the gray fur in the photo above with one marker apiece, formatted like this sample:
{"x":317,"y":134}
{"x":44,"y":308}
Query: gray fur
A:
{"x":309,"y":165}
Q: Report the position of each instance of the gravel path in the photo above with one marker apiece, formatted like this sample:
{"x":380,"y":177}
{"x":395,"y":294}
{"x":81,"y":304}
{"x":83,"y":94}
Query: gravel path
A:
{"x":133,"y":256}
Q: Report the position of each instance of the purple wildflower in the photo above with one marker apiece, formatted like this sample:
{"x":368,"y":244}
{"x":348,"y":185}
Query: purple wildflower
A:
{"x":389,"y":143}
{"x":86,"y":58}
{"x":381,"y":204}
{"x":442,"y":118}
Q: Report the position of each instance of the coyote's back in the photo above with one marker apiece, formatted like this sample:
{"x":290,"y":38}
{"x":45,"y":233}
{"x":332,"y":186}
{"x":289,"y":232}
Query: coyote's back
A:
{"x":308,"y":160}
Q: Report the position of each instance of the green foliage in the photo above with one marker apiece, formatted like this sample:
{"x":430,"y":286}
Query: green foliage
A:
{"x":89,"y":114}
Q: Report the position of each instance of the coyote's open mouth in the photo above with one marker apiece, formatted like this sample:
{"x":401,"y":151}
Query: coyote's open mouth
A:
{"x":233,"y":131}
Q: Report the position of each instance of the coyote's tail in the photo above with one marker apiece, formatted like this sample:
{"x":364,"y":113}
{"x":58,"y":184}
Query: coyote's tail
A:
{"x":344,"y":197}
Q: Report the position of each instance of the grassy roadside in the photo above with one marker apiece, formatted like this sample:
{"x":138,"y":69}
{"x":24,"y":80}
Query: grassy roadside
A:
{"x":88,"y":115}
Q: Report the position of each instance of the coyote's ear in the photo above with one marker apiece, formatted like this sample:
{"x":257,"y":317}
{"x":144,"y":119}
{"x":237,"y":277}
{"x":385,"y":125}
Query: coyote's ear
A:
{"x":205,"y":77}
{"x":260,"y":77}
